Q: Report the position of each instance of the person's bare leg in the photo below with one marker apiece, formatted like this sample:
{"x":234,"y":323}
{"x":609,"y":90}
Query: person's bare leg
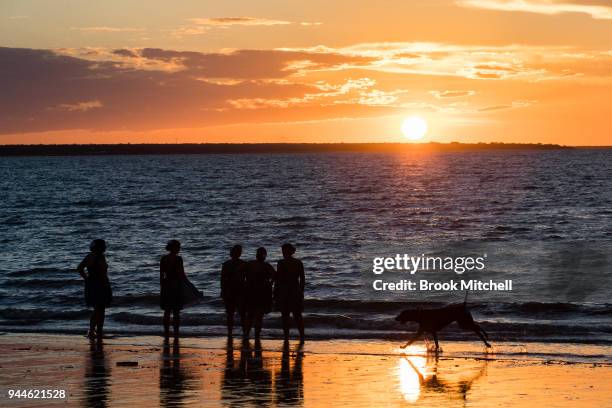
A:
{"x":176,"y":322}
{"x":229,"y":319}
{"x":258,"y":322}
{"x":299,"y":320}
{"x":248,"y":323}
{"x":285,"y":322}
{"x":92,"y":324}
{"x":100,"y":321}
{"x":242,"y":320}
{"x":166,"y":322}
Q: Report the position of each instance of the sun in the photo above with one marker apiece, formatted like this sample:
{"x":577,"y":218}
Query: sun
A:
{"x":414,"y":127}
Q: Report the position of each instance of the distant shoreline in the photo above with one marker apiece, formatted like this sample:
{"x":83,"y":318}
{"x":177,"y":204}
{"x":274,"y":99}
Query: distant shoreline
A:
{"x":231,"y":148}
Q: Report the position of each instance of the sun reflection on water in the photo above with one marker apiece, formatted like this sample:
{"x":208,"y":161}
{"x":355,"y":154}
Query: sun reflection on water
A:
{"x":411,"y":372}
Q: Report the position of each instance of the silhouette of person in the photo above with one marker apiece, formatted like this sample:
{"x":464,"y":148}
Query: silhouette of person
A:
{"x":257,"y":292}
{"x":232,"y":283}
{"x":171,"y":273}
{"x":289,"y":290}
{"x":98,"y":294}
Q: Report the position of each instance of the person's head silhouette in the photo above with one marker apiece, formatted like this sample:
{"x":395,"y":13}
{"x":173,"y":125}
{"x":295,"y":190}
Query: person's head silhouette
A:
{"x":173,"y":246}
{"x":98,"y":245}
{"x":236,"y":251}
{"x":261,"y":254}
{"x":288,"y":250}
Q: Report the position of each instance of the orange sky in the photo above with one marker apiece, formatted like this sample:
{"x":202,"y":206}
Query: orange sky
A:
{"x":269,"y":71}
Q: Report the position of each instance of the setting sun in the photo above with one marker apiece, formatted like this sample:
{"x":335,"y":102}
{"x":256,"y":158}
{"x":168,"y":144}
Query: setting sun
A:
{"x":414,"y":128}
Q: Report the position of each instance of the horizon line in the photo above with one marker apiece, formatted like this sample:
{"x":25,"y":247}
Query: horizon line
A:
{"x":410,"y":144}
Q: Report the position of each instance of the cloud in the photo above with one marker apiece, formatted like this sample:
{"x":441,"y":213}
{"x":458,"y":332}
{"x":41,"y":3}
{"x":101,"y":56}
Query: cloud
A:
{"x":80,"y":106}
{"x":505,"y":62}
{"x":597,"y":10}
{"x":201,"y":26}
{"x":99,"y":89}
{"x":151,"y":88}
{"x":103,"y":29}
{"x":513,"y":105}
{"x":351,"y":92}
{"x":237,"y":21}
{"x":242,"y":64}
{"x":123,"y":52}
{"x":451,"y":94}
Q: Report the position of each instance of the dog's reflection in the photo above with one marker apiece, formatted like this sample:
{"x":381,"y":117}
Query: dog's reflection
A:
{"x":421,"y":375}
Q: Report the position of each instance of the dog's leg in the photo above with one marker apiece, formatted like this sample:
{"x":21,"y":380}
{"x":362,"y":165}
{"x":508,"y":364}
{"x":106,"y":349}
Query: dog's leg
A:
{"x":413,"y":339}
{"x":476,"y":329}
{"x":484,"y":332}
{"x":435,"y":336}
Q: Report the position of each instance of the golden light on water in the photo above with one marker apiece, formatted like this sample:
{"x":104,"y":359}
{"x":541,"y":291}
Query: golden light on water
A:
{"x":409,"y":380}
{"x":414,"y":127}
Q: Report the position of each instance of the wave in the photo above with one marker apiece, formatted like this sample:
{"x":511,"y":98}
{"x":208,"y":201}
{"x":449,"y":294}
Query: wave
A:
{"x":328,"y":322}
{"x":511,"y":308}
{"x":42,"y":283}
{"x":40,"y":271}
{"x":539,"y":310}
{"x":42,"y":314}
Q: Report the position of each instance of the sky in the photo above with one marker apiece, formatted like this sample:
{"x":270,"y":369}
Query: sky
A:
{"x":514,"y":71}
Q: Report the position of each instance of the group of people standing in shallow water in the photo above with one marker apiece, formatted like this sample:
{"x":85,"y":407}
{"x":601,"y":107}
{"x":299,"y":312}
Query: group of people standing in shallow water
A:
{"x":250,"y":289}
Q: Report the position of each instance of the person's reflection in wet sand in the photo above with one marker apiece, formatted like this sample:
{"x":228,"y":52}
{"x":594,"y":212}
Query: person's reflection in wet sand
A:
{"x":97,"y":374}
{"x":248,"y":383}
{"x":173,"y":380}
{"x":289,"y":383}
{"x":437,"y":384}
{"x":231,"y":375}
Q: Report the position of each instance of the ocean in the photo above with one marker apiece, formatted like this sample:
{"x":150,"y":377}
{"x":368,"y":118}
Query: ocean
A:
{"x":542,"y":218}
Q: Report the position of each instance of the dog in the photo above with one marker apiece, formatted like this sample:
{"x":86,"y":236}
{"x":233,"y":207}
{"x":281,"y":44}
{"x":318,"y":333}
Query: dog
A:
{"x":434,"y":320}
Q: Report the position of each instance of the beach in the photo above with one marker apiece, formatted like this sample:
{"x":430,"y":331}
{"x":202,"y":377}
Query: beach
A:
{"x":142,"y":371}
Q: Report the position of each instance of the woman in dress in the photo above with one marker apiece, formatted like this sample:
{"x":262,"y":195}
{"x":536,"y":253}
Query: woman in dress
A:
{"x":289,"y":290}
{"x":232,"y":285}
{"x":171,"y":274}
{"x":257,"y":292}
{"x":98,"y":294}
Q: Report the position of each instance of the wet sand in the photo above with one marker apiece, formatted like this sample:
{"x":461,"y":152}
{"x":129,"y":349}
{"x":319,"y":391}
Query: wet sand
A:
{"x":146,"y":372}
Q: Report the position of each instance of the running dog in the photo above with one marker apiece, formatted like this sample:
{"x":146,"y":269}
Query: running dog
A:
{"x":434,"y":320}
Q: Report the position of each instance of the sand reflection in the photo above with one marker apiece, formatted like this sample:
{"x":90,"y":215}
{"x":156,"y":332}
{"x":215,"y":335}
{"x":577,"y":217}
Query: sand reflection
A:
{"x":175,"y":380}
{"x":289,"y":381}
{"x":250,"y":381}
{"x":97,"y":374}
